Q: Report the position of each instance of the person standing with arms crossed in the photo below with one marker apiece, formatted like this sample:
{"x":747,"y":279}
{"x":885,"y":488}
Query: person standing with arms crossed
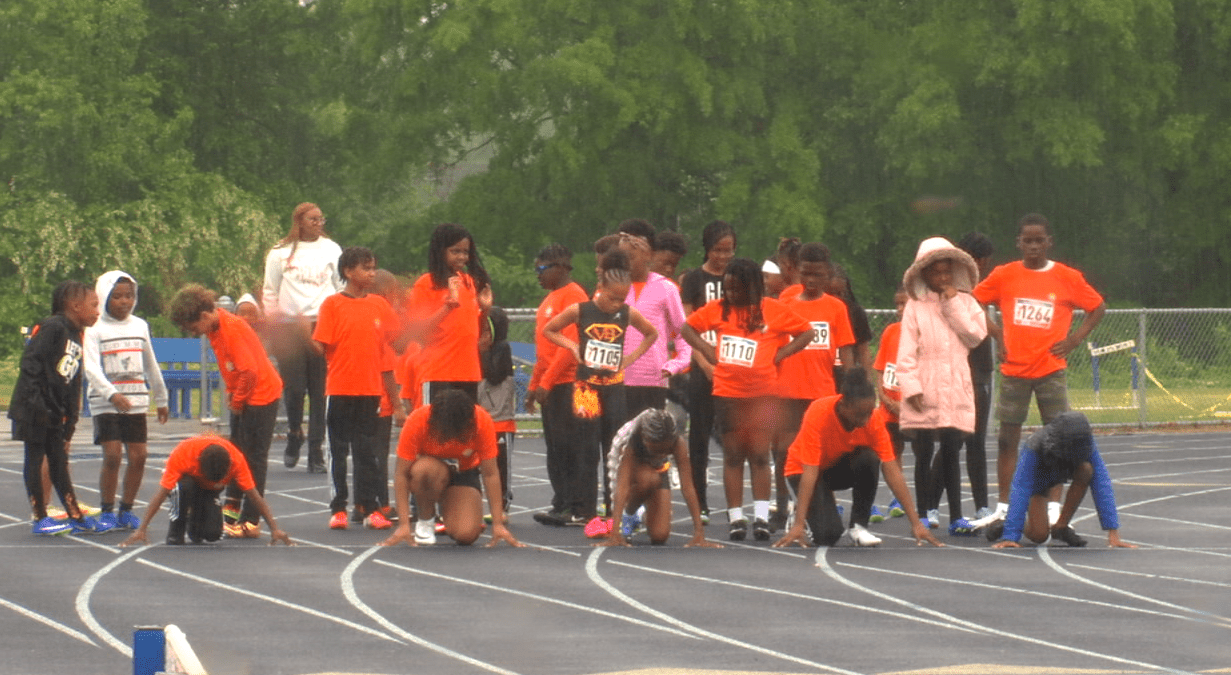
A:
{"x":1036,"y":298}
{"x":300,"y":272}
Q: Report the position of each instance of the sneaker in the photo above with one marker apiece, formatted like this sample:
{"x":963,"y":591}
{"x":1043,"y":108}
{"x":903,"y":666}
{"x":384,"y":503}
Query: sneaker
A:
{"x":877,"y":515}
{"x":127,"y":521}
{"x":109,"y":521}
{"x":339,"y":521}
{"x":357,"y":515}
{"x":777,"y":520}
{"x":88,"y":525}
{"x":553,"y":517}
{"x":425,"y":532}
{"x":629,"y":523}
{"x":56,"y":513}
{"x":602,"y":510}
{"x":961,"y":528}
{"x":895,"y":509}
{"x":294,"y":441}
{"x":175,"y":538}
{"x":230,"y":513}
{"x":439,"y":525}
{"x":841,"y":510}
{"x":705,"y":516}
{"x":50,"y":526}
{"x":738,"y":530}
{"x":995,"y":530}
{"x":760,"y":529}
{"x":599,"y":527}
{"x":576,"y":520}
{"x":232,"y":531}
{"x":87,"y":510}
{"x":989,"y":516}
{"x":983,"y":512}
{"x":1068,"y":536}
{"x":377,"y":521}
{"x":1053,"y":513}
{"x":860,"y":536}
{"x":250,"y":530}
{"x":316,"y":467}
{"x":933,"y":518}
{"x":390,"y":513}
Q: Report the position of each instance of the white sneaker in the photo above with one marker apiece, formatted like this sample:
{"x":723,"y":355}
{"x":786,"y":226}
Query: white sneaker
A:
{"x":860,"y":536}
{"x":425,"y":531}
{"x":1053,"y":513}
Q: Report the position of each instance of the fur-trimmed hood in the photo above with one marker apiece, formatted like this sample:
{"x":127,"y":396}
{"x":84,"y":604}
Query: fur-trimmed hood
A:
{"x":965,"y":272}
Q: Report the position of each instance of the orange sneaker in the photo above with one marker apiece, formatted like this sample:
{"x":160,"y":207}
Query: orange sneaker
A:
{"x":232,"y":531}
{"x":250,"y":530}
{"x":377,"y":521}
{"x":339,"y":521}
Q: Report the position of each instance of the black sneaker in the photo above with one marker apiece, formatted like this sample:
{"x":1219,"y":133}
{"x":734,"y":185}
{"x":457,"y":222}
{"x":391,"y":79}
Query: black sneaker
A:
{"x":1068,"y":536}
{"x":760,"y":529}
{"x":994,"y":530}
{"x":293,"y":442}
{"x":738,"y":530}
{"x":572,"y":519}
{"x":777,"y":520}
{"x":554,"y":518}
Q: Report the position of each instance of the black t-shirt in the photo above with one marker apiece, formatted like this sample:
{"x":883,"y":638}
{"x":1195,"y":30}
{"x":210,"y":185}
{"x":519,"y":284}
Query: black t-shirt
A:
{"x":600,"y":340}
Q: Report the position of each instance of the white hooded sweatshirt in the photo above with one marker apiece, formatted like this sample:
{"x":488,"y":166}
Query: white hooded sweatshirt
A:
{"x":119,"y":356}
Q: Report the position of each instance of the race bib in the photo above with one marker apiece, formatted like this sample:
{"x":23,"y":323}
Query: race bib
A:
{"x":821,"y":339}
{"x":737,"y":351}
{"x":1032,"y":313}
{"x":710,"y":337}
{"x":889,"y":380}
{"x":603,"y":355}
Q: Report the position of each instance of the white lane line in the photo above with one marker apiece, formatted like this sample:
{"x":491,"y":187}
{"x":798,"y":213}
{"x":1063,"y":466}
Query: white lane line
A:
{"x":540,"y":598}
{"x":791,"y":594}
{"x":30,"y":614}
{"x":1171,"y":461}
{"x":592,"y":572}
{"x":1022,"y":591}
{"x":1176,"y":521}
{"x":823,"y":563}
{"x":348,"y":589}
{"x":270,"y":599}
{"x":83,"y":603}
{"x":1146,"y":575}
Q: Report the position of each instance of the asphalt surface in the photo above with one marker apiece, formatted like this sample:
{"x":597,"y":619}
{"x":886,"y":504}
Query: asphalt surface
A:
{"x":337,"y":603}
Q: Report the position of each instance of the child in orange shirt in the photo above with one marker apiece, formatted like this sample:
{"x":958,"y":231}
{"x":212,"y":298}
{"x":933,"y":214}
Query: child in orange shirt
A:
{"x":890,"y":394}
{"x":354,"y":330}
{"x":754,"y":335}
{"x":252,"y":383}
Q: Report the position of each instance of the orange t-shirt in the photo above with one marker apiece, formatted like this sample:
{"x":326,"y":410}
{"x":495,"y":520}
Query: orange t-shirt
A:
{"x":185,"y":460}
{"x":1036,"y":308}
{"x":388,"y":364}
{"x":808,"y":374}
{"x":792,"y":291}
{"x":746,"y":366}
{"x":416,"y":439}
{"x":553,"y":364}
{"x":451,"y":348}
{"x":354,"y":332}
{"x":249,"y":376}
{"x":887,"y":364}
{"x":822,"y":440}
{"x":405,"y":374}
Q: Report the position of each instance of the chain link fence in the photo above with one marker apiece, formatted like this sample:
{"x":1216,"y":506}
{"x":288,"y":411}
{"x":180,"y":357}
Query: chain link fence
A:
{"x":1140,"y":367}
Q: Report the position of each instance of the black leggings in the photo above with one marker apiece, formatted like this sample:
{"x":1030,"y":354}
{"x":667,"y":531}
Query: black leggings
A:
{"x":700,"y":427}
{"x":858,"y":470}
{"x":252,"y":431}
{"x":942,"y":472}
{"x":47,"y":443}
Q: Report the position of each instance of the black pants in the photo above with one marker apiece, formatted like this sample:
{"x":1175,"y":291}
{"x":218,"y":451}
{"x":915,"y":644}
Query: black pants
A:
{"x":504,"y":448}
{"x":700,"y":428}
{"x":303,"y":372}
{"x":384,"y":437}
{"x":976,"y":445}
{"x":196,"y":511}
{"x":858,"y":471}
{"x":352,"y":432}
{"x":942,"y":473}
{"x":594,"y":438}
{"x":46,"y":443}
{"x":559,"y":433}
{"x":252,"y":431}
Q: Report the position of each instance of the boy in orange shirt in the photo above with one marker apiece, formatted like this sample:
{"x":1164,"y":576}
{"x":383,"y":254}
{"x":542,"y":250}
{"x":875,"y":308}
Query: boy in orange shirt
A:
{"x":1036,"y":297}
{"x":197,"y":470}
{"x":252,"y":383}
{"x":354,"y":330}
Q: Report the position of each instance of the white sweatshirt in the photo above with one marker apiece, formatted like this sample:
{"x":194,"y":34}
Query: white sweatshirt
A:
{"x":119,"y":357}
{"x":298,"y":287}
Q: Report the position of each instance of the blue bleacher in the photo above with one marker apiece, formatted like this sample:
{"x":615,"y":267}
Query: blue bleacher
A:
{"x":183,"y":360}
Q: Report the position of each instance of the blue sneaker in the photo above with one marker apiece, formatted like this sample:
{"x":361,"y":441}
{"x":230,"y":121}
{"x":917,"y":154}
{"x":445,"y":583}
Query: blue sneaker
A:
{"x":933,"y":518}
{"x":877,"y":515}
{"x":88,"y":525}
{"x":50,"y":526}
{"x":127,"y":521}
{"x":895,"y":509}
{"x":629,"y":524}
{"x":961,"y":528}
{"x":109,"y":521}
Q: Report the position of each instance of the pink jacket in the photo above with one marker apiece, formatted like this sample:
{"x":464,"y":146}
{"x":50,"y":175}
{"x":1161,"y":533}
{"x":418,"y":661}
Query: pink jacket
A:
{"x":660,"y":305}
{"x":937,"y":336}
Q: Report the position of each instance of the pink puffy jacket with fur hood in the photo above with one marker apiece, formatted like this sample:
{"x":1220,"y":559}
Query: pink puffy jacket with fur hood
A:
{"x":937,"y":336}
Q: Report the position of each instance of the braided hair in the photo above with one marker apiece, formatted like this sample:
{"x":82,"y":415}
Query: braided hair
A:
{"x":746,"y":273}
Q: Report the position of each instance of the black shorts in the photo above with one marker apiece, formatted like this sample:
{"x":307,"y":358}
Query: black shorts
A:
{"x":119,"y":427}
{"x":468,"y":478}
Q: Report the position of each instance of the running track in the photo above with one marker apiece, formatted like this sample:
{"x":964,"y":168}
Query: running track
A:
{"x":337,"y":604}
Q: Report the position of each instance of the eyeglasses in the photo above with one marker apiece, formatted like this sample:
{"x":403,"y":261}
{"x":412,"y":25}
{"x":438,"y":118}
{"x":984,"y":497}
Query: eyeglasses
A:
{"x":539,"y":269}
{"x":320,"y":219}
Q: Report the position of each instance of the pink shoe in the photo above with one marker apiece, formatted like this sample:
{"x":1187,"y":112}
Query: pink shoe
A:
{"x":598,"y":527}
